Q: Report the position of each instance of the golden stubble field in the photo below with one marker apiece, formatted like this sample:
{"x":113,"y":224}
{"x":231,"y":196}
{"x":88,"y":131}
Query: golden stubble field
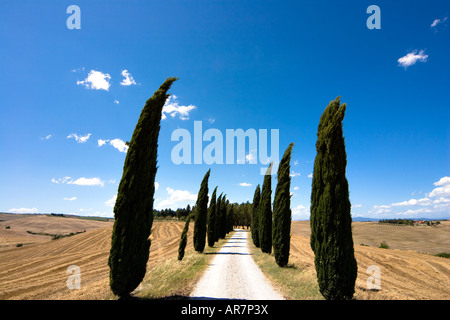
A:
{"x":38,"y":269}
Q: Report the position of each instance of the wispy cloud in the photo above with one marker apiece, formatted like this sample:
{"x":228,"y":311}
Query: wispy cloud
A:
{"x":47,"y":137}
{"x":80,"y":181}
{"x":96,"y":80}
{"x":79,"y":139}
{"x":411,"y":58}
{"x":294,"y":174}
{"x":70,"y":199}
{"x":128,"y":81}
{"x":172,"y":108}
{"x":437,"y":22}
{"x":245,"y":184}
{"x":24,"y":210}
{"x":436,"y":202}
{"x":111,"y":202}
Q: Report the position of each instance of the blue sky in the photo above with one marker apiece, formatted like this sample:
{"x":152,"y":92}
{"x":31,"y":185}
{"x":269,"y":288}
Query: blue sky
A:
{"x":70,"y":98}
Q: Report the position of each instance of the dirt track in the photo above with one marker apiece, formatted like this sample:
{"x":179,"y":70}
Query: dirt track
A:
{"x":234,"y":275}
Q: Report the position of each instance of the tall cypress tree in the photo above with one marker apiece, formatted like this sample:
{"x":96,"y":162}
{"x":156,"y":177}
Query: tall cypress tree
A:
{"x":212,"y":220}
{"x":201,"y":215}
{"x":331,"y":233}
{"x":254,"y":228}
{"x":265,"y":213}
{"x":183,"y":240}
{"x":133,"y":210}
{"x":230,"y":218}
{"x":281,"y":232}
{"x":223,"y":218}
{"x":217,"y":218}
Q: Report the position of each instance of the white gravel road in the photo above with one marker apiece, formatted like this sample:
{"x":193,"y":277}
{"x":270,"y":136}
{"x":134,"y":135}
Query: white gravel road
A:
{"x":233,"y":274}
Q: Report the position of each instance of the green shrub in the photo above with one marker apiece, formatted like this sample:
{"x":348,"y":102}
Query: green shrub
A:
{"x":383,"y":245}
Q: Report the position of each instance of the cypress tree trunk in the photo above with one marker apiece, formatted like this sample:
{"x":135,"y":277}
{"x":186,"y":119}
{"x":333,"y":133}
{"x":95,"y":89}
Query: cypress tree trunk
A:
{"x":212,"y":220}
{"x":331,"y":233}
{"x":265,"y":213}
{"x":202,"y":215}
{"x":183,"y":240}
{"x":282,"y":217}
{"x":133,"y":210}
{"x":255,"y":217}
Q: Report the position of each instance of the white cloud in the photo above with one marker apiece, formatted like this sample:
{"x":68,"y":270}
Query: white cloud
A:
{"x":47,"y":137}
{"x":296,"y":188}
{"x":356,"y":205}
{"x":71,"y":199}
{"x":101,"y":142}
{"x":412,"y":57}
{"x":80,"y":181}
{"x":88,"y":182}
{"x":79,"y":139}
{"x":116,"y":101}
{"x":119,"y":145}
{"x":443,"y":188}
{"x":116,"y":143}
{"x":128,"y":81}
{"x":294,"y":174}
{"x":436,"y":22}
{"x":96,"y":80}
{"x":245,"y":184}
{"x":310,"y":175}
{"x":62,"y":180}
{"x":24,"y":210}
{"x":211,"y":120}
{"x":156,"y":185}
{"x":172,"y":108}
{"x":435,"y":203}
{"x":444,"y":181}
{"x":176,"y":199}
{"x":300,"y":212}
{"x":111,"y":202}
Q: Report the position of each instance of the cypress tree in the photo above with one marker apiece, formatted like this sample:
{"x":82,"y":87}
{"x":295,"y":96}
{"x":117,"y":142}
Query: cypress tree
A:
{"x":183,"y":240}
{"x":281,"y":233}
{"x":217,"y":218}
{"x":265,"y":213}
{"x":201,"y":215}
{"x":223,"y":218}
{"x":331,"y":233}
{"x":230,"y":219}
{"x":133,"y":210}
{"x":255,"y":217}
{"x":212,"y":219}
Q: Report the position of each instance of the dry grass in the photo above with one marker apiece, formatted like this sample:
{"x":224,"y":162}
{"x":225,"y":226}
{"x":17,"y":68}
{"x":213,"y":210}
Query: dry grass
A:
{"x":405,"y":274}
{"x":37,"y":270}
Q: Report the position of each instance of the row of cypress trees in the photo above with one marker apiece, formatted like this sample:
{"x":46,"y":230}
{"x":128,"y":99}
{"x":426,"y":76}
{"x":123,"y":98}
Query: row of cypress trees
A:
{"x":273,"y":229}
{"x":331,"y":235}
{"x":210,"y":223}
{"x":330,"y":221}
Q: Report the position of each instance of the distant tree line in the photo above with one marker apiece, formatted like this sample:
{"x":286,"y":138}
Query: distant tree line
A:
{"x":180,"y":213}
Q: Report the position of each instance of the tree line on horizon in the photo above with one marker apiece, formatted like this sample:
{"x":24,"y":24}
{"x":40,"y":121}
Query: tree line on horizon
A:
{"x":331,"y":235}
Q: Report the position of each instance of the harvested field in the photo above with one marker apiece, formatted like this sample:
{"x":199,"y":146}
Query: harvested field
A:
{"x":404,"y":274}
{"x":38,"y":270}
